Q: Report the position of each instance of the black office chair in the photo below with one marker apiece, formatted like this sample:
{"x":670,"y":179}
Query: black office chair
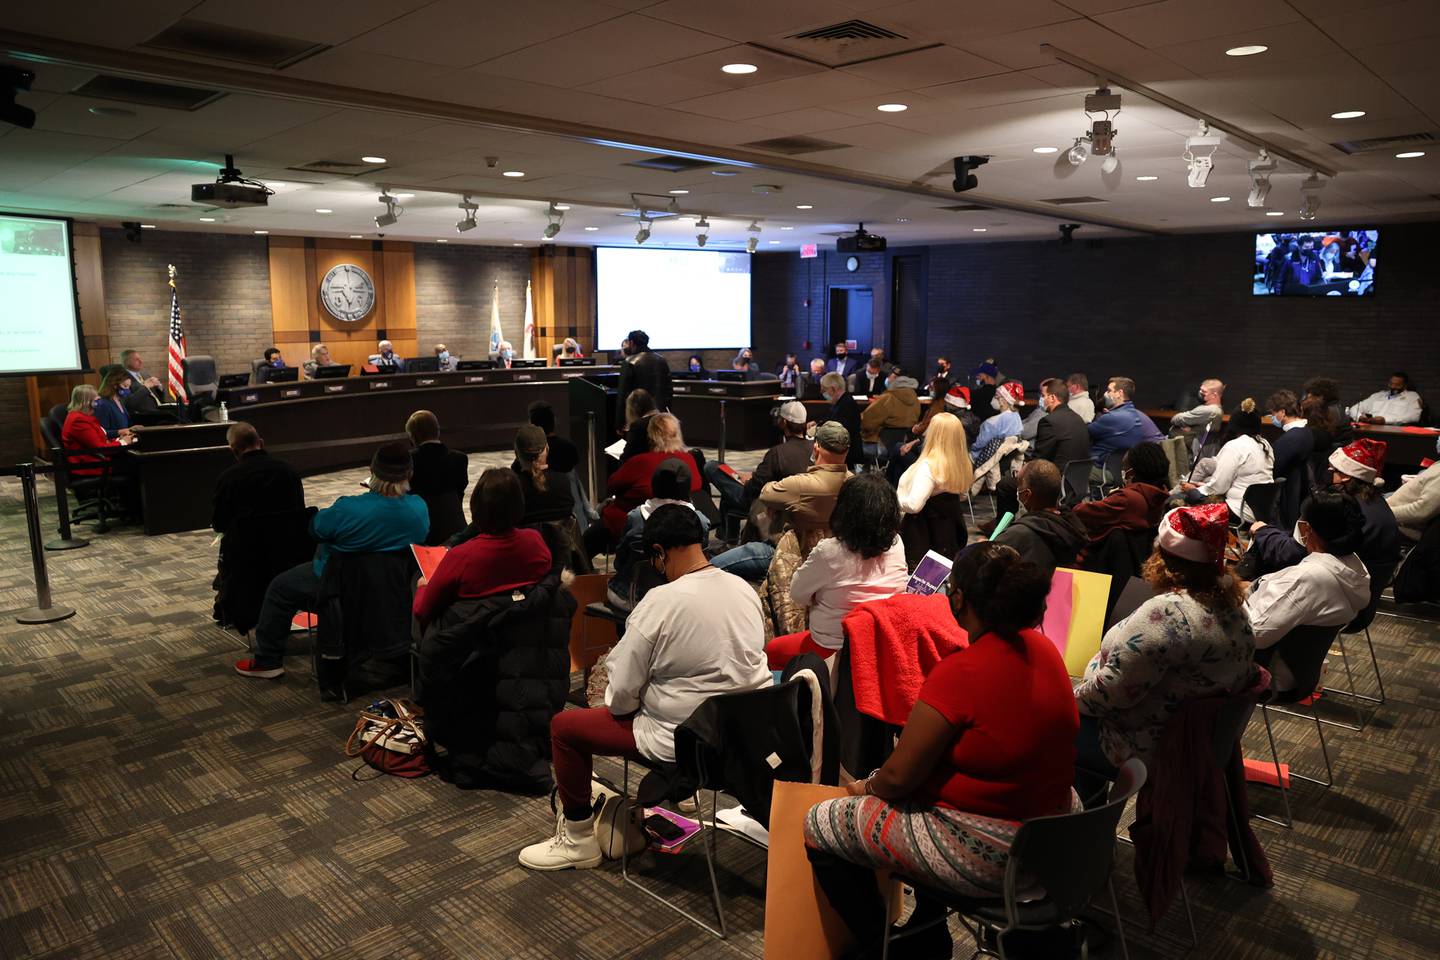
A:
{"x":1303,"y":651}
{"x":1111,"y":471}
{"x":1075,"y":482}
{"x":877,"y":455}
{"x":201,"y":381}
{"x":363,"y":622}
{"x":1259,"y":502}
{"x":95,"y":495}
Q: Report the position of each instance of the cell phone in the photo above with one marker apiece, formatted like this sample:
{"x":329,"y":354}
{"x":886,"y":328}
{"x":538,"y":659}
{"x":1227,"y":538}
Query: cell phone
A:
{"x":662,"y":828}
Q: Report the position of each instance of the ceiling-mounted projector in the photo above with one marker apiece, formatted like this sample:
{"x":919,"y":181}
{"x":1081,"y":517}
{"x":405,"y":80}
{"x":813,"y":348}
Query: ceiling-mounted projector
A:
{"x":859,"y":242}
{"x":231,"y":189}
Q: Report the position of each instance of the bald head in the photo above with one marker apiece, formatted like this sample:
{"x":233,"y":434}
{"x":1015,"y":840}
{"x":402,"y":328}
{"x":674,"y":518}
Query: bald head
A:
{"x":1041,"y":479}
{"x":242,"y":438}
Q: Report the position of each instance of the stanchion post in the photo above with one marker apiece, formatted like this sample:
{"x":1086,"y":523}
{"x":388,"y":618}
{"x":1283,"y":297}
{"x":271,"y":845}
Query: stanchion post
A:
{"x":720,"y":452}
{"x":593,"y":457}
{"x":62,"y":505}
{"x":44,"y":611}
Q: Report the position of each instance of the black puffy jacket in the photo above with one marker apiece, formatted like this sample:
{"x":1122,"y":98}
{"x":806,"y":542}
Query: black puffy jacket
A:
{"x":492,"y":672}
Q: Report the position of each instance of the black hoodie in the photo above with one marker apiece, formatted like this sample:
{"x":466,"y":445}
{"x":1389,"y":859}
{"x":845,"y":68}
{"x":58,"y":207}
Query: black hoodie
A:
{"x":1046,"y":539}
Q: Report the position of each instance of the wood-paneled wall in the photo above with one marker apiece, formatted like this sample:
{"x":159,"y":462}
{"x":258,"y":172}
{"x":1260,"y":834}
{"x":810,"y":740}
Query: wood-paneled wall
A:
{"x":44,"y":392}
{"x":563,"y":288}
{"x":299,"y":264}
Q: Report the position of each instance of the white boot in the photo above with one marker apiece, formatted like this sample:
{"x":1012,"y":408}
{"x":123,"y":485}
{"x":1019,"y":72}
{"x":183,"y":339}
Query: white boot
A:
{"x":573,"y":846}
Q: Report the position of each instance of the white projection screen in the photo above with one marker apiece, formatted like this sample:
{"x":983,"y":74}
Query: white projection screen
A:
{"x":39,"y":318}
{"x":684,"y":299}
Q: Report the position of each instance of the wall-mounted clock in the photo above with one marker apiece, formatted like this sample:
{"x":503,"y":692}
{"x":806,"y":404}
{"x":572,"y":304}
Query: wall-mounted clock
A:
{"x":852,"y":264}
{"x":347,"y":292}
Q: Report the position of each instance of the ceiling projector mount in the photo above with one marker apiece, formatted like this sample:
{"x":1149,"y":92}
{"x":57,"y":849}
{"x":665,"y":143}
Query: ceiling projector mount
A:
{"x":231,"y":189}
{"x":861,"y":241}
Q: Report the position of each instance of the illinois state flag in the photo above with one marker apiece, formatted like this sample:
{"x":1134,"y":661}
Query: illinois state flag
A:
{"x":496,"y":336}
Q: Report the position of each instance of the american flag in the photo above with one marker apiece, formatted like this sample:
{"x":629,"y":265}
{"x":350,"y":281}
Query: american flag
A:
{"x":177,"y":345}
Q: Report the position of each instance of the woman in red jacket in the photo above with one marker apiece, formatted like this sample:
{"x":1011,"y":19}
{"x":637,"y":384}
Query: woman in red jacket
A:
{"x":83,"y":431}
{"x":630,"y":484}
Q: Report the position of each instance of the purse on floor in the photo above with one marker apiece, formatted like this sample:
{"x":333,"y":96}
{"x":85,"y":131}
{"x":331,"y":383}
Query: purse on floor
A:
{"x":615,"y":822}
{"x":389,"y":736}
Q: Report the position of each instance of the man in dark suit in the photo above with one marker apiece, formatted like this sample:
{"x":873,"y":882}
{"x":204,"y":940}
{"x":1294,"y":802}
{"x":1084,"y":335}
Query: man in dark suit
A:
{"x":807,"y":385}
{"x":870,"y":379}
{"x":842,"y":363}
{"x":438,"y":476}
{"x":642,"y":369}
{"x":844,"y":409}
{"x":1060,"y":438}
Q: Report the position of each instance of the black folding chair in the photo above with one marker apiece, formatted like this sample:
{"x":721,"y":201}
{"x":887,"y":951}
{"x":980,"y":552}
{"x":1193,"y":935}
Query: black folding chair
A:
{"x":1076,"y":482}
{"x":1303,"y":650}
{"x":1380,"y":578}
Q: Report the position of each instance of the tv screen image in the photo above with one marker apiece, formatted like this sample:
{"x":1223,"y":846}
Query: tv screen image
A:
{"x":1315,"y":263}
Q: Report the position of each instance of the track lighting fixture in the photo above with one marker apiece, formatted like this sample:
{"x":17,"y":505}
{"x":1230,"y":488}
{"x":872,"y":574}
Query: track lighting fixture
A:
{"x":557,"y":218}
{"x":1310,"y":192}
{"x":1110,"y":163}
{"x":703,"y":226}
{"x":1101,"y":109}
{"x":1200,"y":155}
{"x":752,"y":244}
{"x":1079,"y":152}
{"x":467,"y":222}
{"x":643,"y":233}
{"x":392,"y":209}
{"x":1260,"y":169}
{"x":754,"y":231}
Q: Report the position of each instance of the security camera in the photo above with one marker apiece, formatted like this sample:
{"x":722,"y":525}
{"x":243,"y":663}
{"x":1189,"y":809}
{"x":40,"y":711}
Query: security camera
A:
{"x":1067,"y":232}
{"x":491,"y":161}
{"x":965,"y":172}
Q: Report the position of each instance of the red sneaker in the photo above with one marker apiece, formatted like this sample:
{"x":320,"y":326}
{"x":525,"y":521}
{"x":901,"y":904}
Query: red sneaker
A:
{"x":249,"y":668}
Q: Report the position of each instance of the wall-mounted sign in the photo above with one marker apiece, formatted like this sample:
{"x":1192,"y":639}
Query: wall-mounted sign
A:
{"x":809,"y":251}
{"x":347,"y":292}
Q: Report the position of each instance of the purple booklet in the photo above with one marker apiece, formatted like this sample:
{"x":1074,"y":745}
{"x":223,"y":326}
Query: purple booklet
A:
{"x":930,"y":574}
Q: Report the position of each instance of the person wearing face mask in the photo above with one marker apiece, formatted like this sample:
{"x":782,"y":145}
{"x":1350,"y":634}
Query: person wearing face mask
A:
{"x":1293,"y":450}
{"x":1396,"y":405}
{"x":844,"y":409}
{"x":842,"y":363}
{"x":1003,"y":423}
{"x":898,"y":406}
{"x":696,"y":366}
{"x":789,"y":374}
{"x":1326,"y":589}
{"x":319,"y":357}
{"x":1046,"y":534}
{"x":1060,"y":437}
{"x":1246,"y":459}
{"x":386,"y":360}
{"x":1121,"y":426}
{"x":446,"y":360}
{"x":869,"y":381}
{"x":696,"y":635}
{"x":1209,"y":414}
{"x":987,"y":378}
{"x":807,"y":385}
{"x":1079,"y":386}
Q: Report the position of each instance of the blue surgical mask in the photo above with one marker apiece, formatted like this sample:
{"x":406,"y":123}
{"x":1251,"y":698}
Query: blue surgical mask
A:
{"x":1275,"y":419}
{"x":388,"y":354}
{"x":444,"y":355}
{"x":509,"y":354}
{"x":694,"y":368}
{"x":124,"y":391}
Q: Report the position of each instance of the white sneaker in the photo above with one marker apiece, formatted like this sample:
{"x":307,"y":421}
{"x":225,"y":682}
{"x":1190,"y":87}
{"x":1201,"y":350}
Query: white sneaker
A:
{"x":573,"y":847}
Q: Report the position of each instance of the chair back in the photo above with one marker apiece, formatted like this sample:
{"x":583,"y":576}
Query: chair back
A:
{"x":1260,"y":499}
{"x":1135,"y":592}
{"x":890,"y":436}
{"x":1113,"y":469}
{"x":1076,"y":482}
{"x":254,"y":549}
{"x":56,"y":416}
{"x":256,"y":367}
{"x":1070,"y":854}
{"x":447,"y":515}
{"x":939,"y":526}
{"x":1304,"y":650}
{"x":1122,"y":555}
{"x":363,"y":633}
{"x":50,"y":435}
{"x":1380,"y":578}
{"x":200,"y":377}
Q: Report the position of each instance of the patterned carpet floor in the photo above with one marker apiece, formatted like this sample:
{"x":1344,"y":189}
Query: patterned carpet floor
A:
{"x":154,"y":804}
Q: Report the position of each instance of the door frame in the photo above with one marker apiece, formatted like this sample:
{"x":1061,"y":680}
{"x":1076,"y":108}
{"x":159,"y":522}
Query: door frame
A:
{"x":830,"y":288}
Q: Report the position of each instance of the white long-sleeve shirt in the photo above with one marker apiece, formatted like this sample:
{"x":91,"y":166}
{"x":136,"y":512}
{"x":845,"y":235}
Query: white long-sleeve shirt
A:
{"x":685,"y":642}
{"x":1402,"y":408}
{"x":917,"y":485}
{"x":1240,"y":463}
{"x":833,"y":579}
{"x":1417,"y":502}
{"x":1322,"y":590}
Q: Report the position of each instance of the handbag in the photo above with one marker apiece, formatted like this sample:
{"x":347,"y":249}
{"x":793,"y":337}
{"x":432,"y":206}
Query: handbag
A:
{"x":390,"y":737}
{"x":616,"y":823}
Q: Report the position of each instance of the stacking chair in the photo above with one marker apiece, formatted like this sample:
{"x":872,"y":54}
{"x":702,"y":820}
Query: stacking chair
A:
{"x":1069,"y":856}
{"x":1111,"y":473}
{"x":1259,"y":502}
{"x":1379,"y":580}
{"x":1075,"y":486}
{"x":1304,"y":650}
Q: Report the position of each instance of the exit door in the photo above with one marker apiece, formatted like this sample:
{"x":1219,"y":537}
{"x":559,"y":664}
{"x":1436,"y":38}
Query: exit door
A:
{"x":851,"y":310}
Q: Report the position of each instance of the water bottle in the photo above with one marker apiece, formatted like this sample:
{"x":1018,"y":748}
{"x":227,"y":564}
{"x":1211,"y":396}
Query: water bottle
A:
{"x":224,"y":413}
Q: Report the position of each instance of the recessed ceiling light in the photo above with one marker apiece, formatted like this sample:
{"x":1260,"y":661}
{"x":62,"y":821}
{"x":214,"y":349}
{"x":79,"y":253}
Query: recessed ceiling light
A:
{"x":112,"y":112}
{"x":804,"y":206}
{"x":902,"y":219}
{"x":739,"y":68}
{"x":787,"y":228}
{"x":562,"y":206}
{"x":722,"y":173}
{"x":517,"y":244}
{"x":1274,"y":213}
{"x":1347,"y":115}
{"x":1409,"y":154}
{"x":207,"y":219}
{"x":893,"y":107}
{"x":1147,"y":179}
{"x":276,"y":184}
{"x":356,"y":236}
{"x":592,"y":229}
{"x":679,"y":193}
{"x":372,"y":159}
{"x":323,"y":210}
{"x":262,"y":232}
{"x":1045,"y":150}
{"x":1249,"y":50}
{"x":402,"y":196}
{"x":147,"y":226}
{"x":773,"y":242}
{"x":513,"y":173}
{"x":977,"y":229}
{"x":1218,"y":199}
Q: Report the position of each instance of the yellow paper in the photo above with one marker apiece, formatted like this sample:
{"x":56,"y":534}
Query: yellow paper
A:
{"x":1090,"y":593}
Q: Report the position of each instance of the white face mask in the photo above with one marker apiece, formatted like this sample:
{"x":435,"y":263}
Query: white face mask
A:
{"x":444,"y":355}
{"x":995,"y":403}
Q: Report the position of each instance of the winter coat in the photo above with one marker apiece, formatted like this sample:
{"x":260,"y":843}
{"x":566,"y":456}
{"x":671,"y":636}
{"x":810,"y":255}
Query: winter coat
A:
{"x":1046,"y":539}
{"x":1135,"y":506}
{"x":897,"y":407}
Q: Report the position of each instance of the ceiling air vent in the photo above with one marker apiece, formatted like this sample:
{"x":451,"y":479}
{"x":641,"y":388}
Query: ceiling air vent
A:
{"x":340,"y":168}
{"x":672,"y":164}
{"x":849,"y":30}
{"x":793,"y":146}
{"x":219,"y":42}
{"x":846,"y":43}
{"x":146,"y":93}
{"x":1071,"y":201}
{"x":1384,"y":143}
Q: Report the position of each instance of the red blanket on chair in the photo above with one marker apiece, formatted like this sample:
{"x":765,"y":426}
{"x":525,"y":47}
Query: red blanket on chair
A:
{"x":893,"y":644}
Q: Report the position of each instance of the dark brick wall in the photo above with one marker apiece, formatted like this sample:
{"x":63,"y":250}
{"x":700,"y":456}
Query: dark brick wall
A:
{"x":1166,"y":311}
{"x":780,"y":284}
{"x":14,"y":421}
{"x":454,"y":285}
{"x":224,"y":284}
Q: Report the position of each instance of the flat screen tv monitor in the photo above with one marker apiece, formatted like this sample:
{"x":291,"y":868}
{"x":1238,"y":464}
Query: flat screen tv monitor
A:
{"x":332,"y":371}
{"x":1315,"y":263}
{"x":39,"y":315}
{"x":683,"y":299}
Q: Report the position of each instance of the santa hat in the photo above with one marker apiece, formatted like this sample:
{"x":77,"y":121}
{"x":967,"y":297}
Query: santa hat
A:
{"x":1196,"y":533}
{"x":958,"y":397}
{"x":1363,"y":460}
{"x":1013,"y":390}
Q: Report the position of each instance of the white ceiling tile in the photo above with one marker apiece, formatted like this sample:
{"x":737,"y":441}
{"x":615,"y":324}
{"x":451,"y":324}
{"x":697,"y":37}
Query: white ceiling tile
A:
{"x":924,"y":68}
{"x":461,"y":33}
{"x":1287,"y":42}
{"x":318,"y":22}
{"x":769,"y":98}
{"x":803,"y":121}
{"x":1392,"y":23}
{"x":751,"y":20}
{"x":110,"y":24}
{"x":655,"y":85}
{"x":941,"y":20}
{"x":1160,"y":23}
{"x":1025,"y":49}
{"x":353,"y":67}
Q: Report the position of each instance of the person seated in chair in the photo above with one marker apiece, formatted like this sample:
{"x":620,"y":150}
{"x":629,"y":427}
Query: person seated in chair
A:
{"x":696,"y":635}
{"x":439,"y":475}
{"x":669,"y":484}
{"x":789,"y":374}
{"x":380,"y":520}
{"x":1209,"y":413}
{"x":1002,"y":425}
{"x":564,"y":456}
{"x":134,"y":364}
{"x":257,"y":484}
{"x":943,"y":467}
{"x":1120,"y":427}
{"x":898,"y":407}
{"x":639,"y":408}
{"x":1191,"y":639}
{"x":1246,"y":459}
{"x":787,"y":458}
{"x":1397,"y":404}
{"x":807,"y":385}
{"x":1139,"y":504}
{"x":1046,"y":534}
{"x":869,"y":380}
{"x":1326,"y":589}
{"x":82,"y":431}
{"x":1078,"y":387}
{"x":110,"y":409}
{"x":844,"y":410}
{"x":319,"y":357}
{"x":629,"y":486}
{"x":274,"y":360}
{"x":502,"y":555}
{"x":988,"y":745}
{"x":1417,"y":502}
{"x":1059,"y":437}
{"x":547,"y":493}
{"x":385,"y":359}
{"x":864,"y":560}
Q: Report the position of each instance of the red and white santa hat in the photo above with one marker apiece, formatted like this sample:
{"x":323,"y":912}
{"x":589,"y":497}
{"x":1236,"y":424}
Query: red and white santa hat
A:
{"x":1013,"y":390}
{"x":958,"y":397}
{"x":1364,"y":460}
{"x":1196,"y":533}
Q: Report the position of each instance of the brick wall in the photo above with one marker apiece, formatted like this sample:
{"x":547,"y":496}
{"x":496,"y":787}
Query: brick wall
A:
{"x":224,"y":284}
{"x":1166,"y":311}
{"x":780,"y":320}
{"x":454,"y":285}
{"x":15,"y":443}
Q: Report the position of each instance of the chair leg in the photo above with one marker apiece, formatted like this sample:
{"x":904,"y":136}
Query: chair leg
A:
{"x":1189,"y":917}
{"x":1289,"y":821}
{"x":1375,"y":662}
{"x":1244,"y":864}
{"x":1119,"y":923}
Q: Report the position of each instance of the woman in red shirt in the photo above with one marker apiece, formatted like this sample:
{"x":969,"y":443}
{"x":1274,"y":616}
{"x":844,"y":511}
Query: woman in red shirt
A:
{"x":989,"y":743}
{"x":82,"y":431}
{"x":500,"y":557}
{"x":630,"y":484}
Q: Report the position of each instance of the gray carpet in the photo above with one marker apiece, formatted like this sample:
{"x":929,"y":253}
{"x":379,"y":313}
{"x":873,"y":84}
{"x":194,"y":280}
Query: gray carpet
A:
{"x":153,"y":804}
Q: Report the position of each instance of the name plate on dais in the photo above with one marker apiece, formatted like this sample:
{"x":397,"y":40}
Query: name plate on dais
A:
{"x":334,"y":388}
{"x":425,"y":381}
{"x":290,"y":392}
{"x":717,"y":390}
{"x":249,"y":397}
{"x":524,"y":376}
{"x":379,"y":384}
{"x":476,"y":378}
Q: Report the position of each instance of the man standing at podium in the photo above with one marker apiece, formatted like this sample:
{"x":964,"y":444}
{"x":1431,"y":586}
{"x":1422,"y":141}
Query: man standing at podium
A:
{"x":642,"y":369}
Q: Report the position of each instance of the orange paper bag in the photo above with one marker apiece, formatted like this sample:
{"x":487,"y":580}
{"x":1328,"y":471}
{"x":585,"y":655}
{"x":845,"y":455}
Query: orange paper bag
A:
{"x":799,"y":921}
